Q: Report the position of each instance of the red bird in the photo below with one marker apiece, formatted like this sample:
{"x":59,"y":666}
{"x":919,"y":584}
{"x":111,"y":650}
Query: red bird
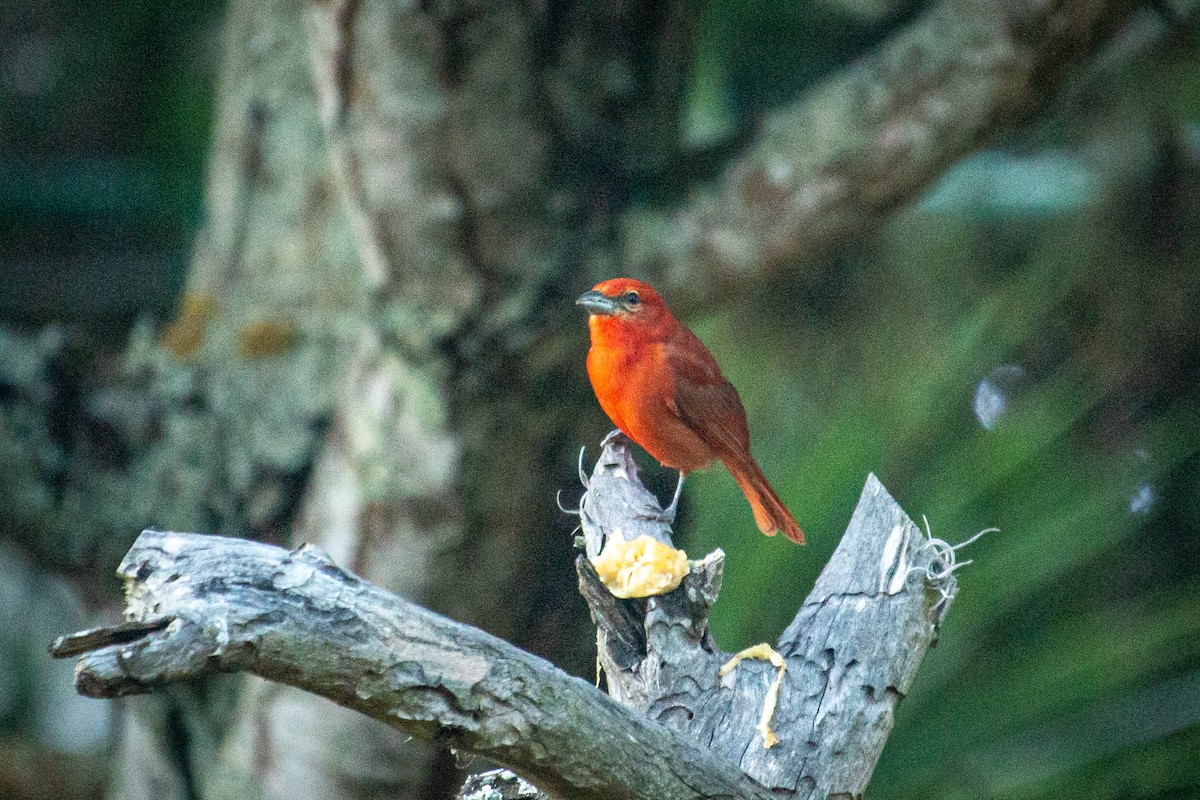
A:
{"x":663,"y":389}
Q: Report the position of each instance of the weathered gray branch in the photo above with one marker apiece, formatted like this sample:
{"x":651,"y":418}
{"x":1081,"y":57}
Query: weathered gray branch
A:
{"x":852,"y":650}
{"x":351,"y":151}
{"x":230,"y":605}
{"x":198,"y":605}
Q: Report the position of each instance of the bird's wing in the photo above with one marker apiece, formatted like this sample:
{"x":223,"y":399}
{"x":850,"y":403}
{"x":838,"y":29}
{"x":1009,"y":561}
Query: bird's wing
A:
{"x":705,"y":401}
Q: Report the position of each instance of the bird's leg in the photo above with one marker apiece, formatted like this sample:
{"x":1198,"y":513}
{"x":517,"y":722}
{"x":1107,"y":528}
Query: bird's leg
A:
{"x":668,"y":514}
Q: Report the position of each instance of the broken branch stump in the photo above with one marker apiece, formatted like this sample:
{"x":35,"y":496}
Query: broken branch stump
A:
{"x":852,"y":650}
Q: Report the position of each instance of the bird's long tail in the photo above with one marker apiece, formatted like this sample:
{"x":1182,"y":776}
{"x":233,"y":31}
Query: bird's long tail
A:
{"x":770,"y":513}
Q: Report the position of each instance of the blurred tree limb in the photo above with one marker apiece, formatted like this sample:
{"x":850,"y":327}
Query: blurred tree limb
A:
{"x":429,"y":180}
{"x":871,"y":138}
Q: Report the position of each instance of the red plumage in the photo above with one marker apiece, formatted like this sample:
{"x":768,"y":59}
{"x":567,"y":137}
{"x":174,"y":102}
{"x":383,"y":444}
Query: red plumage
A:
{"x":662,"y":387}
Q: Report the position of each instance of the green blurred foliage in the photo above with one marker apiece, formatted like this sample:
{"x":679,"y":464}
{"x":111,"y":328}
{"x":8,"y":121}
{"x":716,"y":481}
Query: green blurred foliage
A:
{"x":752,"y":55}
{"x":1075,"y":612}
{"x":1069,"y":665}
{"x":105,"y":121}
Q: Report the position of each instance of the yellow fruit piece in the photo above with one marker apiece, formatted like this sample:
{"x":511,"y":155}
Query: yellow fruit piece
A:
{"x":641,"y":568}
{"x":763,"y":652}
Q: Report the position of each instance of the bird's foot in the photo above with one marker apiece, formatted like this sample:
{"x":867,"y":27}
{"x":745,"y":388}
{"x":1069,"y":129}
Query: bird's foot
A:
{"x":667,"y":514}
{"x":575,"y":512}
{"x":669,"y":511}
{"x":615,"y":435}
{"x":583,"y":478}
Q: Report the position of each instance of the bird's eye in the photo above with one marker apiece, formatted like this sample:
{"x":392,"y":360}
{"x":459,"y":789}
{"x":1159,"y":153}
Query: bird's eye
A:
{"x":631,"y":298}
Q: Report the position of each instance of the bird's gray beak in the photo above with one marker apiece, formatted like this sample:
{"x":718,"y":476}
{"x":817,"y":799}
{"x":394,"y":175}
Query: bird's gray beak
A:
{"x":598,"y":303}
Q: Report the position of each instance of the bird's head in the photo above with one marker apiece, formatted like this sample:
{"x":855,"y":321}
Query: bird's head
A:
{"x":625,"y":302}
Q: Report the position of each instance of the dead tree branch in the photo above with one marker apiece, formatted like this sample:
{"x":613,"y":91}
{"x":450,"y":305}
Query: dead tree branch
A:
{"x":852,"y":650}
{"x":198,"y":605}
{"x":204,"y":604}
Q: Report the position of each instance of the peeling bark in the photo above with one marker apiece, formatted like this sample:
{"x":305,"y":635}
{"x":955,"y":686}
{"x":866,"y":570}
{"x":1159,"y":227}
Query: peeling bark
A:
{"x":852,"y":650}
{"x":235,"y":605}
{"x":200,"y":604}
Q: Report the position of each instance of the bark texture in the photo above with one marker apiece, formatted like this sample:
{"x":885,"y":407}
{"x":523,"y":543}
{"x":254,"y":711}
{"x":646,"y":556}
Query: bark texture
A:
{"x":852,"y":650}
{"x":198,"y":605}
{"x":202,"y":604}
